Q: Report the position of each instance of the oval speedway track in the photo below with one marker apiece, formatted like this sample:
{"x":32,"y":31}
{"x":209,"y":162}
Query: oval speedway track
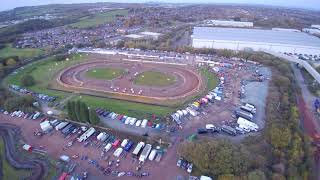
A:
{"x":187,"y":80}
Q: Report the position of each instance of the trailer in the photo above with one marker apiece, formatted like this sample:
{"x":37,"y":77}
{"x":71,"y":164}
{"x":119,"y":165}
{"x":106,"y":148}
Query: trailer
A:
{"x":248,"y":109}
{"x":61,"y":125}
{"x":86,"y":134}
{"x":244,"y":114}
{"x":228,"y":130}
{"x":102,"y":136}
{"x":145,"y":152}
{"x":66,"y":129}
{"x":248,"y":124}
{"x":138,"y":148}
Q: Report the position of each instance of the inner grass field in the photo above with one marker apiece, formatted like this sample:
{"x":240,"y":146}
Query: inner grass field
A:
{"x":99,"y":19}
{"x":21,"y":53}
{"x":154,"y":78}
{"x":104,"y":73}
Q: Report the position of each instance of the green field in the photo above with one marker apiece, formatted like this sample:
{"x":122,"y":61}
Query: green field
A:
{"x":8,"y":171}
{"x":138,"y":110}
{"x":104,"y":73}
{"x":153,"y":78}
{"x":22,"y":53}
{"x":99,"y":19}
{"x":43,"y":72}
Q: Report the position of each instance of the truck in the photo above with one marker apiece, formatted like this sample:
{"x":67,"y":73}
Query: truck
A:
{"x":86,"y":134}
{"x":244,"y":114}
{"x":61,"y":125}
{"x":145,"y":152}
{"x":228,"y":130}
{"x":128,"y":146}
{"x":138,"y":148}
{"x":247,"y":124}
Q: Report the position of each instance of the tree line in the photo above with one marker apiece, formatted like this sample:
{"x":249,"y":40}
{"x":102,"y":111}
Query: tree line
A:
{"x":79,"y":111}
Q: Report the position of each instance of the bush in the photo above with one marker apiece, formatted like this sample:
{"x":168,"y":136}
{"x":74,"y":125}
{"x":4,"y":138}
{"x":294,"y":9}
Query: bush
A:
{"x":27,"y":80}
{"x":23,"y":103}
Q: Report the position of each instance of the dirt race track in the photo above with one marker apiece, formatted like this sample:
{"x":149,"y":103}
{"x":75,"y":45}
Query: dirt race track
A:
{"x":187,"y":81}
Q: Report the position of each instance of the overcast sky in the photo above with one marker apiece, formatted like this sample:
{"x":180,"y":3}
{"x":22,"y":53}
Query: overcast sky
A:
{"x":308,"y":4}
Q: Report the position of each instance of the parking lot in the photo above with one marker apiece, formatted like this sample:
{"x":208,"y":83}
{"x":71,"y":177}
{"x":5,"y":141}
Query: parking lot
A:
{"x":88,"y":156}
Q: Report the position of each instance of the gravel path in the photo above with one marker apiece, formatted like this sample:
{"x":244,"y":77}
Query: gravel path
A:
{"x":256,"y":93}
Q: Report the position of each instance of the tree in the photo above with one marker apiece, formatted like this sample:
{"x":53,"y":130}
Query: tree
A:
{"x":27,"y":80}
{"x":256,"y":175}
{"x":77,"y":110}
{"x":84,"y":112}
{"x":24,"y":103}
{"x":216,"y":157}
{"x":280,"y":137}
{"x":70,"y":108}
{"x":94,"y":119}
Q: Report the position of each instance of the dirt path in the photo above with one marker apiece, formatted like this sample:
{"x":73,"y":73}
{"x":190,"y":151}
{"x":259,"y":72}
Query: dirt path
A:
{"x":10,"y":133}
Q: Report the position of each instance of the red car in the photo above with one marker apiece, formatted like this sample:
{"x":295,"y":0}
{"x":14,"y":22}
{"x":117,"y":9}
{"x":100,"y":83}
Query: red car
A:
{"x":116,"y":143}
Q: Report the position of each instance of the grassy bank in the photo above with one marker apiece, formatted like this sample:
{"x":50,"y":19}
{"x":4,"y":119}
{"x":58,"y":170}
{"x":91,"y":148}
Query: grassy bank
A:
{"x":21,"y":53}
{"x":8,"y":171}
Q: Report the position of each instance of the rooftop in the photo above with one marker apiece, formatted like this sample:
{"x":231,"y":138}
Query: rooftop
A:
{"x":256,"y":35}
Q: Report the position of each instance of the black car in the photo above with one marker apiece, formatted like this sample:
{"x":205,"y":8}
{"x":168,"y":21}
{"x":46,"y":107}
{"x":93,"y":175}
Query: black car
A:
{"x":202,"y":131}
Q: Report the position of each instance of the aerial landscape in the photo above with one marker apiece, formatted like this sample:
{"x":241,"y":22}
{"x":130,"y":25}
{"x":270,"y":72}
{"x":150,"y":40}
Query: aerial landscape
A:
{"x":160,"y":90}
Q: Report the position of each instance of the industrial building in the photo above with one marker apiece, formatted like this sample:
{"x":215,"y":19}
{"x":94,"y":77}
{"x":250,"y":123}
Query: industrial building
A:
{"x":228,"y":23}
{"x":255,"y":39}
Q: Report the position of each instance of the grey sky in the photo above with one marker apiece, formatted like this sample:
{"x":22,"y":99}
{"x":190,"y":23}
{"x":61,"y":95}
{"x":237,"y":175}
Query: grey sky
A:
{"x":309,"y":4}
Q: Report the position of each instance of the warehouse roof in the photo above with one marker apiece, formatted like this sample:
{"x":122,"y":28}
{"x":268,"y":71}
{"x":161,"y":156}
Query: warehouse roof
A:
{"x":256,"y":35}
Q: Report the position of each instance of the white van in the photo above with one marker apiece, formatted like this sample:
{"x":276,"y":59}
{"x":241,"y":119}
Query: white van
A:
{"x":152,"y":154}
{"x":107,"y":147}
{"x":138,"y":123}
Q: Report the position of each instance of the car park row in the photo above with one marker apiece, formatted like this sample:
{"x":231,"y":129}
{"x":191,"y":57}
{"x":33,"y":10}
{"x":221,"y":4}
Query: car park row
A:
{"x":40,"y":96}
{"x":128,"y":120}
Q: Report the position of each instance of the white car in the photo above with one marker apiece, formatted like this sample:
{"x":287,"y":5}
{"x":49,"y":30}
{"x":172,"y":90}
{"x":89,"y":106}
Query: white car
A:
{"x":127,"y":121}
{"x":133,"y":121}
{"x":138,"y":123}
{"x":210,"y":127}
{"x":190,"y":165}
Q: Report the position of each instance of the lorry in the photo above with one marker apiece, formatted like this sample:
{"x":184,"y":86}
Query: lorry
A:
{"x":244,"y":114}
{"x":247,"y":124}
{"x":145,"y":152}
{"x":86,"y":134}
{"x":138,"y":148}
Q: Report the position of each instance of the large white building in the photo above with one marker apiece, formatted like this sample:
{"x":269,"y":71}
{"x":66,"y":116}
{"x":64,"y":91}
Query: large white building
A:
{"x":228,"y":23}
{"x":255,"y":39}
